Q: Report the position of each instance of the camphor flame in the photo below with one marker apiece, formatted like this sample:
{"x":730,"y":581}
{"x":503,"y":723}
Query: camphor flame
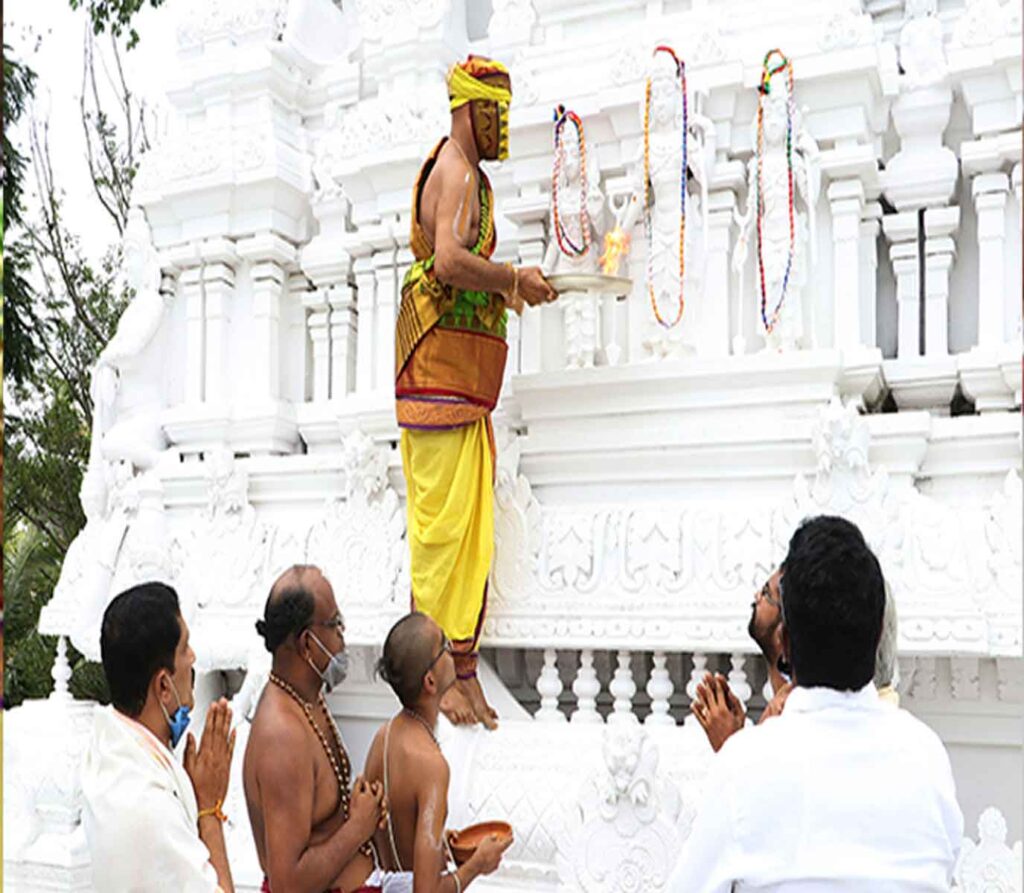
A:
{"x":616,"y":245}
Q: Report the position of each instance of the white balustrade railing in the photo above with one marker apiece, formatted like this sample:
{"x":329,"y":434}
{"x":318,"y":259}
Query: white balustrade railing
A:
{"x":623,"y":686}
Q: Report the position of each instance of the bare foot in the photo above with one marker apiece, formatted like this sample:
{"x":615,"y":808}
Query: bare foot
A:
{"x":457,"y":708}
{"x":474,"y":694}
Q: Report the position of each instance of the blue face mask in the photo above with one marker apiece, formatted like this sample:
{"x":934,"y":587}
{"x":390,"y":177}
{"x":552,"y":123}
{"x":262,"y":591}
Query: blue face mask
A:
{"x":179,"y":722}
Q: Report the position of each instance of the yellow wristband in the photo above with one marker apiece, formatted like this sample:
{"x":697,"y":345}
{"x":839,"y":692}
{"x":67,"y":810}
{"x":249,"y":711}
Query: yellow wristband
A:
{"x":215,"y":811}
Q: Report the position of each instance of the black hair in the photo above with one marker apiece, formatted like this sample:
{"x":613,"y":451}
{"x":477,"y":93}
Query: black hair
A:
{"x":289,"y":608}
{"x":140,"y":634}
{"x":833,"y":597}
{"x":406,"y":658}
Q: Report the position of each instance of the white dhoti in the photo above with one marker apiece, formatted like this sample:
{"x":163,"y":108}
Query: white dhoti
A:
{"x":140,"y":814}
{"x":391,"y":881}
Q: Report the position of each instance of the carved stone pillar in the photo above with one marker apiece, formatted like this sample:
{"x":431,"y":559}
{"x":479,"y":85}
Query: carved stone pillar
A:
{"x":990,"y":192}
{"x":721,"y":205}
{"x":940,"y":251}
{"x":846,"y":198}
{"x":387,"y":306}
{"x":318,"y":325}
{"x":901,"y":231}
{"x":344,"y":328}
{"x":529,"y":212}
{"x":990,"y":372}
{"x":272,"y":259}
{"x":870,"y":228}
{"x":330,"y":270}
{"x":219,"y":286}
{"x":366,"y":289}
{"x":195,"y":330}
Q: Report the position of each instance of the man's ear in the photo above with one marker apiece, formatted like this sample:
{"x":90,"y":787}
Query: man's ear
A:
{"x":430,"y":682}
{"x":784,"y":643}
{"x":158,"y":684}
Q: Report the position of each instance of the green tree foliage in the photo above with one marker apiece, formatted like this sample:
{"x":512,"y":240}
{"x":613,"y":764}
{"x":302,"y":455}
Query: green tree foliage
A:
{"x":115,"y":15}
{"x":70,"y":315}
{"x":19,"y":347}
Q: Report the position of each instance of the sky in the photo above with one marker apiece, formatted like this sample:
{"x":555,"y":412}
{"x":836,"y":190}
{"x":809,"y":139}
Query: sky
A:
{"x":49,"y":36}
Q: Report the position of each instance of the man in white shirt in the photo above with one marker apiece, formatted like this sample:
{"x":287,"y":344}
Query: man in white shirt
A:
{"x":151,"y":824}
{"x":840,"y":792}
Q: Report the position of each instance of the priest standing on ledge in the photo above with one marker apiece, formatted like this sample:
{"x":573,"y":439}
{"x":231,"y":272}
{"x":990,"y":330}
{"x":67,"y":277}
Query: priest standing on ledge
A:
{"x":449,"y":362}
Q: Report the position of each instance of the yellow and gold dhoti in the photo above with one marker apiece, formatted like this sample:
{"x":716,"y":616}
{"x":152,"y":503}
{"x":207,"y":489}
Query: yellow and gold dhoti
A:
{"x":449,"y":361}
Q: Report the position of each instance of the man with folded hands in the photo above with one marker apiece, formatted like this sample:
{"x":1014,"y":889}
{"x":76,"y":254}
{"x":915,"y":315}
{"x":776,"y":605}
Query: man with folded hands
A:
{"x":841,"y":791}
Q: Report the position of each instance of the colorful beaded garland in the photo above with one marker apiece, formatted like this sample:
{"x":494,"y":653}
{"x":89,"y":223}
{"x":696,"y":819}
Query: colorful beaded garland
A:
{"x":565,"y":243}
{"x":649,"y":190}
{"x":767,"y":72}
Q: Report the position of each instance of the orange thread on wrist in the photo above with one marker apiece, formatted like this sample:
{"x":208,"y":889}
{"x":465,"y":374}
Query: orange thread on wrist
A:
{"x":215,"y":811}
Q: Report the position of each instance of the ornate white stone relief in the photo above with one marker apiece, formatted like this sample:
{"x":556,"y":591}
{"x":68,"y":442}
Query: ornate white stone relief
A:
{"x":234,"y":19}
{"x":359,"y":542}
{"x":663,"y":572}
{"x":391,"y":20}
{"x":511,"y":19}
{"x":989,"y":866}
{"x":984,"y":21}
{"x":624,"y":833}
{"x":846,"y":27}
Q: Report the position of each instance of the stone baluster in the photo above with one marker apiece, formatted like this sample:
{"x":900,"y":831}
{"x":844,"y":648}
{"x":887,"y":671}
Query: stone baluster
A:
{"x":766,"y":690}
{"x":623,"y":688}
{"x":940,"y":252}
{"x":721,"y":206}
{"x":700,"y":663}
{"x":61,"y":672}
{"x":384,"y":263}
{"x":990,"y":193}
{"x":870,"y":227}
{"x":846,"y":198}
{"x":586,"y":688}
{"x":549,"y":687}
{"x":738,"y":679}
{"x":318,"y":325}
{"x":195,"y":335}
{"x":901,"y":231}
{"x":659,"y":689}
{"x":366,"y":288}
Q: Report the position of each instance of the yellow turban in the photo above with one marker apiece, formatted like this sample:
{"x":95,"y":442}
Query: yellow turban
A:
{"x":465,"y":82}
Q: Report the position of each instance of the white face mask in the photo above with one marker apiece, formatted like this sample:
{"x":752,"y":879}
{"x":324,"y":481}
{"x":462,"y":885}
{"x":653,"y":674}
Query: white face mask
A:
{"x":337,"y":667}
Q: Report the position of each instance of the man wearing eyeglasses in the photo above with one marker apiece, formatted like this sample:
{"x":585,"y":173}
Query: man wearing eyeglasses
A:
{"x":311,"y":824}
{"x":406,"y":758}
{"x":859,"y":796}
{"x":717,"y":709}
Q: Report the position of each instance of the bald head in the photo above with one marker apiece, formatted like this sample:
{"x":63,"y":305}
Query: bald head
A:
{"x":409,"y":650}
{"x":292,"y":603}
